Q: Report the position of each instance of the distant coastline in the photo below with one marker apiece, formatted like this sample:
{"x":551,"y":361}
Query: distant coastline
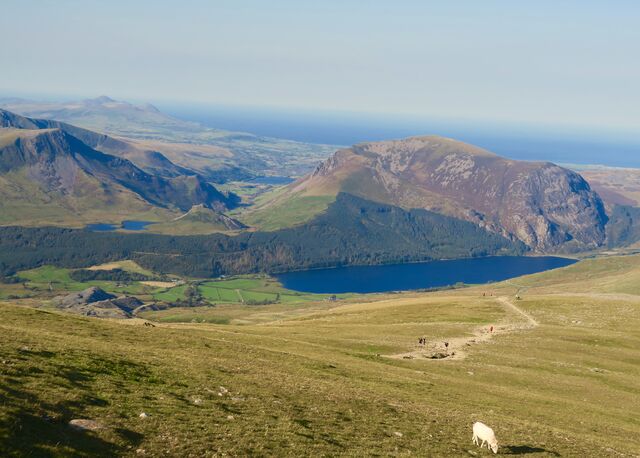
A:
{"x":342,"y":129}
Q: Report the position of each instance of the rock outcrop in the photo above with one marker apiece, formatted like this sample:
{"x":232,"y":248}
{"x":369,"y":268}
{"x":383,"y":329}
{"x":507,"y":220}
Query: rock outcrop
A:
{"x":95,"y":302}
{"x":548,"y":207}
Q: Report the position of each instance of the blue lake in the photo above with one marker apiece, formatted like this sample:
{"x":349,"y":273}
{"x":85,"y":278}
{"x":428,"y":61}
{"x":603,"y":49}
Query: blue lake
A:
{"x":135,"y":225}
{"x":400,"y":277}
{"x":126,"y":225}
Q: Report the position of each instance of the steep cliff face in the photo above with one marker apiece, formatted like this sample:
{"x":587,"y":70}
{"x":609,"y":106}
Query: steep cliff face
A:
{"x":545,"y":206}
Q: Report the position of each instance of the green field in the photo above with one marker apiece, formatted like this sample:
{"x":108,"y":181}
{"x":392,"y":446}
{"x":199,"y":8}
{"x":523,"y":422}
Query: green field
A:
{"x":257,"y":289}
{"x":170,"y":295}
{"x":56,"y":281}
{"x":236,"y":299}
{"x":327,"y":379}
{"x":47,"y":282}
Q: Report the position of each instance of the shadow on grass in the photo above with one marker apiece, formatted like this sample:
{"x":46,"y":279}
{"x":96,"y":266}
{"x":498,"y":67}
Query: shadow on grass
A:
{"x":525,"y":450}
{"x":32,"y":424}
{"x":28,"y":429}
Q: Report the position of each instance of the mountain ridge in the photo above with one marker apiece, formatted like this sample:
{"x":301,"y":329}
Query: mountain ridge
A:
{"x":52,"y":172}
{"x":48,"y":148}
{"x":544,"y":205}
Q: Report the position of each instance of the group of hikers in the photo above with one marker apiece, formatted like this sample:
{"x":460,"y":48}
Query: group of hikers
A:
{"x":423,"y":341}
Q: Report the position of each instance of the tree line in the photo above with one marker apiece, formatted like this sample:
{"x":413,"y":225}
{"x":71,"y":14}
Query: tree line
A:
{"x":352,"y":231}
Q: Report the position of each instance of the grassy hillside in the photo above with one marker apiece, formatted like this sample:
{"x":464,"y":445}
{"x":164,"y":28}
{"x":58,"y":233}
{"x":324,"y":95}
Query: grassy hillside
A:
{"x":291,"y":212}
{"x":48,"y":176}
{"x":198,"y":220}
{"x":319,"y":381}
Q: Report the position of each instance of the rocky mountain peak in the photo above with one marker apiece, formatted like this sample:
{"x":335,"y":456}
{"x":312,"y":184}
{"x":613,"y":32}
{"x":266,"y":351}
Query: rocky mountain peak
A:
{"x":546,"y":206}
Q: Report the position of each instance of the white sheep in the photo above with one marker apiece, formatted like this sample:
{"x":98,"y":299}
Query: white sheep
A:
{"x":485,"y":434}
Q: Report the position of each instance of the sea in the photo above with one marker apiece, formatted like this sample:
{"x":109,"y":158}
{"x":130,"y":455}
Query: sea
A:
{"x":562,"y":145}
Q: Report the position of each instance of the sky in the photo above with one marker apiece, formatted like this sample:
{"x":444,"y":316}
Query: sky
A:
{"x":547,"y":62}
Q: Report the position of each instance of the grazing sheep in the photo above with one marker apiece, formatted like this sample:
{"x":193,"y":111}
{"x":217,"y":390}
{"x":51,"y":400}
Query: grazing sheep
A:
{"x":486,"y":435}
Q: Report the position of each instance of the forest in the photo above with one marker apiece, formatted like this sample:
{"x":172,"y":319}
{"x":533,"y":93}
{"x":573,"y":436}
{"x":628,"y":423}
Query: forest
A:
{"x":353,"y":231}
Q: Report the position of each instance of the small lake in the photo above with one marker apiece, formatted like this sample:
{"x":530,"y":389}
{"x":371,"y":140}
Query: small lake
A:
{"x":401,"y":277}
{"x":126,"y":225}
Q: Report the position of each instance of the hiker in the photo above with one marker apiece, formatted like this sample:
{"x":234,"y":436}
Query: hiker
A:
{"x":491,"y":328}
{"x":446,"y":345}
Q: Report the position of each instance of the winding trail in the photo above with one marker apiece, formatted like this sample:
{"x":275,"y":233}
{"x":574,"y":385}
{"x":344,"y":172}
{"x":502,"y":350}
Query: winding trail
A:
{"x":436,"y":351}
{"x":510,"y":305}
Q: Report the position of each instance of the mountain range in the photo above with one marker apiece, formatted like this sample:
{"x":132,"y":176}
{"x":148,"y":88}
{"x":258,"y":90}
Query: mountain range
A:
{"x":410,"y":199}
{"x":545,"y":206}
{"x":53,"y":172}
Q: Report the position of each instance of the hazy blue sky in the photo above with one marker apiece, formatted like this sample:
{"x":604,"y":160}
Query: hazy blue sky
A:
{"x":570,"y":62}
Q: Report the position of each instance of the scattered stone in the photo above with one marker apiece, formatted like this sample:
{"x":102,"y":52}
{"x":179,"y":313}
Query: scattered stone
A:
{"x":197,"y":401}
{"x":87,"y":296}
{"x":397,"y":434}
{"x":95,"y":302}
{"x":223,"y":390}
{"x":332,"y":366}
{"x":141,"y":451}
{"x":83,"y":424}
{"x":407,"y":357}
{"x":472,"y":453}
{"x":143,"y":415}
{"x":25,"y":349}
{"x":229,"y":417}
{"x":470,"y":372}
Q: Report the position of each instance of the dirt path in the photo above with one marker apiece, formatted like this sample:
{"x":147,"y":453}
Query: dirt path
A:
{"x":510,"y":305}
{"x":436,"y":351}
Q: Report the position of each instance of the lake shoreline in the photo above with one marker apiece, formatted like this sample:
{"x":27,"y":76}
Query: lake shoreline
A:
{"x":385,"y":278}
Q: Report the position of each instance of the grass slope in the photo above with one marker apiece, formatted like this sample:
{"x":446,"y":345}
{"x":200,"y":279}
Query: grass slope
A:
{"x":312,"y":382}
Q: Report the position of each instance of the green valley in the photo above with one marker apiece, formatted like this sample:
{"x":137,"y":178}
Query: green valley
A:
{"x":321,"y":376}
